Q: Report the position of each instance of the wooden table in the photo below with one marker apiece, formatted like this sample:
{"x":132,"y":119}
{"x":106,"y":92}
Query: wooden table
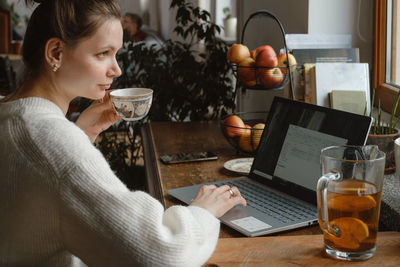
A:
{"x":303,"y":250}
{"x":303,"y":247}
{"x":173,"y":137}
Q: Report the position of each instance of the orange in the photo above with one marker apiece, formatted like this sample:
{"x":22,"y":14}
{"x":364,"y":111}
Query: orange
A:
{"x":352,"y":232}
{"x":351,"y":203}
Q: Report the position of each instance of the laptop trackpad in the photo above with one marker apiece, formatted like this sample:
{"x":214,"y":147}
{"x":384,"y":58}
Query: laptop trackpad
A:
{"x":241,"y":217}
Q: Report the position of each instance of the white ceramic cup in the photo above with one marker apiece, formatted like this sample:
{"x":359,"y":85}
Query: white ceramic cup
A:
{"x":132,"y":104}
{"x":397,"y":155}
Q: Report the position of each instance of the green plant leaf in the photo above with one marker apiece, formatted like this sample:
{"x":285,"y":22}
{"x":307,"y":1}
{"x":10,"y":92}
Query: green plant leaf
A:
{"x":187,"y":83}
{"x":394,"y":110}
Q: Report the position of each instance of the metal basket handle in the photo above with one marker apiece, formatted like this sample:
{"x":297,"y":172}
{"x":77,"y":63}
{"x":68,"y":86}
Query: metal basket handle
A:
{"x":266,"y":13}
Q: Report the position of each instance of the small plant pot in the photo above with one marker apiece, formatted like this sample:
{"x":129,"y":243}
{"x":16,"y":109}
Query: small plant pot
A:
{"x":385,"y":142}
{"x":230,"y":27}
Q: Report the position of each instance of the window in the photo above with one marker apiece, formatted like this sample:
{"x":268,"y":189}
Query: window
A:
{"x":386,"y":52}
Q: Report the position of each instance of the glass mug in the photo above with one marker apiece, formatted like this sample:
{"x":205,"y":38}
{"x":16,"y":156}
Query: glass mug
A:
{"x":349,"y":197}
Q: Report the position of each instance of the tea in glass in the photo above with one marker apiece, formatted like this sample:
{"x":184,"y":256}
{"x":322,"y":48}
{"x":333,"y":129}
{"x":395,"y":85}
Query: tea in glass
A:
{"x":349,"y":197}
{"x":353,"y":212}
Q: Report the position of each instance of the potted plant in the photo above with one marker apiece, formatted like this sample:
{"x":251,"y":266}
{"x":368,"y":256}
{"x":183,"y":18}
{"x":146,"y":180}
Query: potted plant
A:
{"x":230,"y":23}
{"x":383,"y":132}
{"x":190,"y":77}
{"x":15,"y":19}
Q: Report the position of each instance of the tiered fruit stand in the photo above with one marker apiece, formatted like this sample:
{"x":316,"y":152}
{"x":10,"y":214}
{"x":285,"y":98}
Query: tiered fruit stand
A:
{"x":244,"y":136}
{"x":288,"y":68}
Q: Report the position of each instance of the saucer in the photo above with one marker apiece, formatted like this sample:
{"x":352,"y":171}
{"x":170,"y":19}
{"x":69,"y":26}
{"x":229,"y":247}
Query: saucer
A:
{"x":240,"y":165}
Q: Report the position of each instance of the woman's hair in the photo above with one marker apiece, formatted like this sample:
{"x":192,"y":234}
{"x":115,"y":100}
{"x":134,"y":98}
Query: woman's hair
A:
{"x":69,"y":20}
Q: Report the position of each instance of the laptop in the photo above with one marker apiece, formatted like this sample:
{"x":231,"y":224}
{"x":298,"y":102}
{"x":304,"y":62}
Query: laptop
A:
{"x":280,"y":188}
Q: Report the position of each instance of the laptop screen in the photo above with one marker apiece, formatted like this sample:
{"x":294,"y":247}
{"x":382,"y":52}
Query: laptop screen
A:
{"x":288,"y":156}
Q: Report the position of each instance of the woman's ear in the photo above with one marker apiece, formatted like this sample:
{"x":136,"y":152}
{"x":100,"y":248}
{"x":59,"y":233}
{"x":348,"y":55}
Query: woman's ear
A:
{"x":53,"y":53}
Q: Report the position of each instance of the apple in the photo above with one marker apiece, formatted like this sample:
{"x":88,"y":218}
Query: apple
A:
{"x":237,"y":53}
{"x":233,"y":126}
{"x":253,"y":54}
{"x":245,"y":139}
{"x":269,"y":56}
{"x":270,"y":77}
{"x":282,"y":62}
{"x":247,"y":72}
{"x":257,"y":131}
{"x":265,"y":58}
{"x":250,"y":83}
{"x":262,"y":47}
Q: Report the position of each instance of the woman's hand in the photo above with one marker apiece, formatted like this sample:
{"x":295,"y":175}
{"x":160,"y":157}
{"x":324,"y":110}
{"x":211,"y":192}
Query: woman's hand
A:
{"x":97,"y":117}
{"x":218,"y":200}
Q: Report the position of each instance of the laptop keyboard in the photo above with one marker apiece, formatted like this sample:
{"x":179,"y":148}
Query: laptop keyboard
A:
{"x":268,"y":202}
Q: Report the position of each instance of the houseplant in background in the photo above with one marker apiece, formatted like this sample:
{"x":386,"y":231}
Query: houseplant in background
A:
{"x":230,"y":23}
{"x":190,"y":77}
{"x":384,"y":131}
{"x":15,"y":19}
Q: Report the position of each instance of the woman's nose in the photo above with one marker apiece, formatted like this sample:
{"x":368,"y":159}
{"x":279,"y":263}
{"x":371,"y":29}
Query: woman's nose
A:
{"x":115,"y":70}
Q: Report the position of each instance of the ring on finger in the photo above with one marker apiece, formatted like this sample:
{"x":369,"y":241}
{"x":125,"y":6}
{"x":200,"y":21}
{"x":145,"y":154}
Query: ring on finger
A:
{"x":231,"y":192}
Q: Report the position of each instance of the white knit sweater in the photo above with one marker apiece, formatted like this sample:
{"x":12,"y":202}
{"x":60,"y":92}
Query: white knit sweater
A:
{"x":59,"y":198}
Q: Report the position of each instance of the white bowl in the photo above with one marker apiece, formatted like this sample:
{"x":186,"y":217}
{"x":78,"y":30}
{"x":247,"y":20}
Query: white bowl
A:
{"x":132,"y":104}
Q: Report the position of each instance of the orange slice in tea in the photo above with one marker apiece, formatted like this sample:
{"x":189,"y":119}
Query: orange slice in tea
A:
{"x":352,"y":232}
{"x":351,"y":203}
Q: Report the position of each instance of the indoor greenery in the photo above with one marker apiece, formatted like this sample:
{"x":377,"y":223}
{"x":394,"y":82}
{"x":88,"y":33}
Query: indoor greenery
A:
{"x":15,"y":19}
{"x":384,"y":132}
{"x":227,"y":12}
{"x":379,"y":125}
{"x":191,"y":77}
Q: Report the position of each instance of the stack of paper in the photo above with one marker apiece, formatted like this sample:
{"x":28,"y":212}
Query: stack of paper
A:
{"x":307,"y":41}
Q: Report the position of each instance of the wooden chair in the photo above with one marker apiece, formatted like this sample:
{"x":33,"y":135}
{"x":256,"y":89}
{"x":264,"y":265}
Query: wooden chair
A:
{"x":5,"y":31}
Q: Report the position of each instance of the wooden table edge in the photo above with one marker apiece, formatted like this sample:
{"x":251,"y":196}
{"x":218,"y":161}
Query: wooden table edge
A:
{"x":153,"y":179}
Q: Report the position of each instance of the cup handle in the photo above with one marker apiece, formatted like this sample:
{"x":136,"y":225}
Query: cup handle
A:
{"x":322,"y":202}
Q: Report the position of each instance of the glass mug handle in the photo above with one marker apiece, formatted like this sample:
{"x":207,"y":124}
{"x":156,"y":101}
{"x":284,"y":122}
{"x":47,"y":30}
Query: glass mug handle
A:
{"x":322,"y":202}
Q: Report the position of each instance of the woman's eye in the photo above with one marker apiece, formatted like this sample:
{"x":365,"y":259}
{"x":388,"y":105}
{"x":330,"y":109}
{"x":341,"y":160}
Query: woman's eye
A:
{"x":102,"y":54}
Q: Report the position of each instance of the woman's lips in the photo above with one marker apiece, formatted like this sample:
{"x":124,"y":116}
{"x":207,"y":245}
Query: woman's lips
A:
{"x":105,"y":86}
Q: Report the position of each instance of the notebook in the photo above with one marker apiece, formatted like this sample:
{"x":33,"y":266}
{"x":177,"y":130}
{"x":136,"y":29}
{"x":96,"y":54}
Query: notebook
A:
{"x":280,"y":188}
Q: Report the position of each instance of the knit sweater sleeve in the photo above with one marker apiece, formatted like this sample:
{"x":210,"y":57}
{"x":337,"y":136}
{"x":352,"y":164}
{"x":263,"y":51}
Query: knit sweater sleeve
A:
{"x":105,"y":224}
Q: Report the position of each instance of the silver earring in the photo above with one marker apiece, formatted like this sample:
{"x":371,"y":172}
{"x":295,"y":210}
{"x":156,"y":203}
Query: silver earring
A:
{"x":55,"y":67}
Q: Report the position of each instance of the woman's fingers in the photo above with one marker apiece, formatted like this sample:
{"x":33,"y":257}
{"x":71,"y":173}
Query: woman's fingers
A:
{"x":212,"y":186}
{"x":237,"y":197}
{"x":222,"y":189}
{"x":218,"y":200}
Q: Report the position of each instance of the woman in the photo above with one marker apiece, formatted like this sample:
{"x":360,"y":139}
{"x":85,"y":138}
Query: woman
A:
{"x":60,"y":203}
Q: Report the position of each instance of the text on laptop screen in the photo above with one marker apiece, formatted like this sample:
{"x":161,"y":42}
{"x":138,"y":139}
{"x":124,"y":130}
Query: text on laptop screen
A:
{"x":295,"y":133}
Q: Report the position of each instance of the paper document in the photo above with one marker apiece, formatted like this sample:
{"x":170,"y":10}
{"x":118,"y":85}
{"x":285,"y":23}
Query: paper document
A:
{"x":305,"y":41}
